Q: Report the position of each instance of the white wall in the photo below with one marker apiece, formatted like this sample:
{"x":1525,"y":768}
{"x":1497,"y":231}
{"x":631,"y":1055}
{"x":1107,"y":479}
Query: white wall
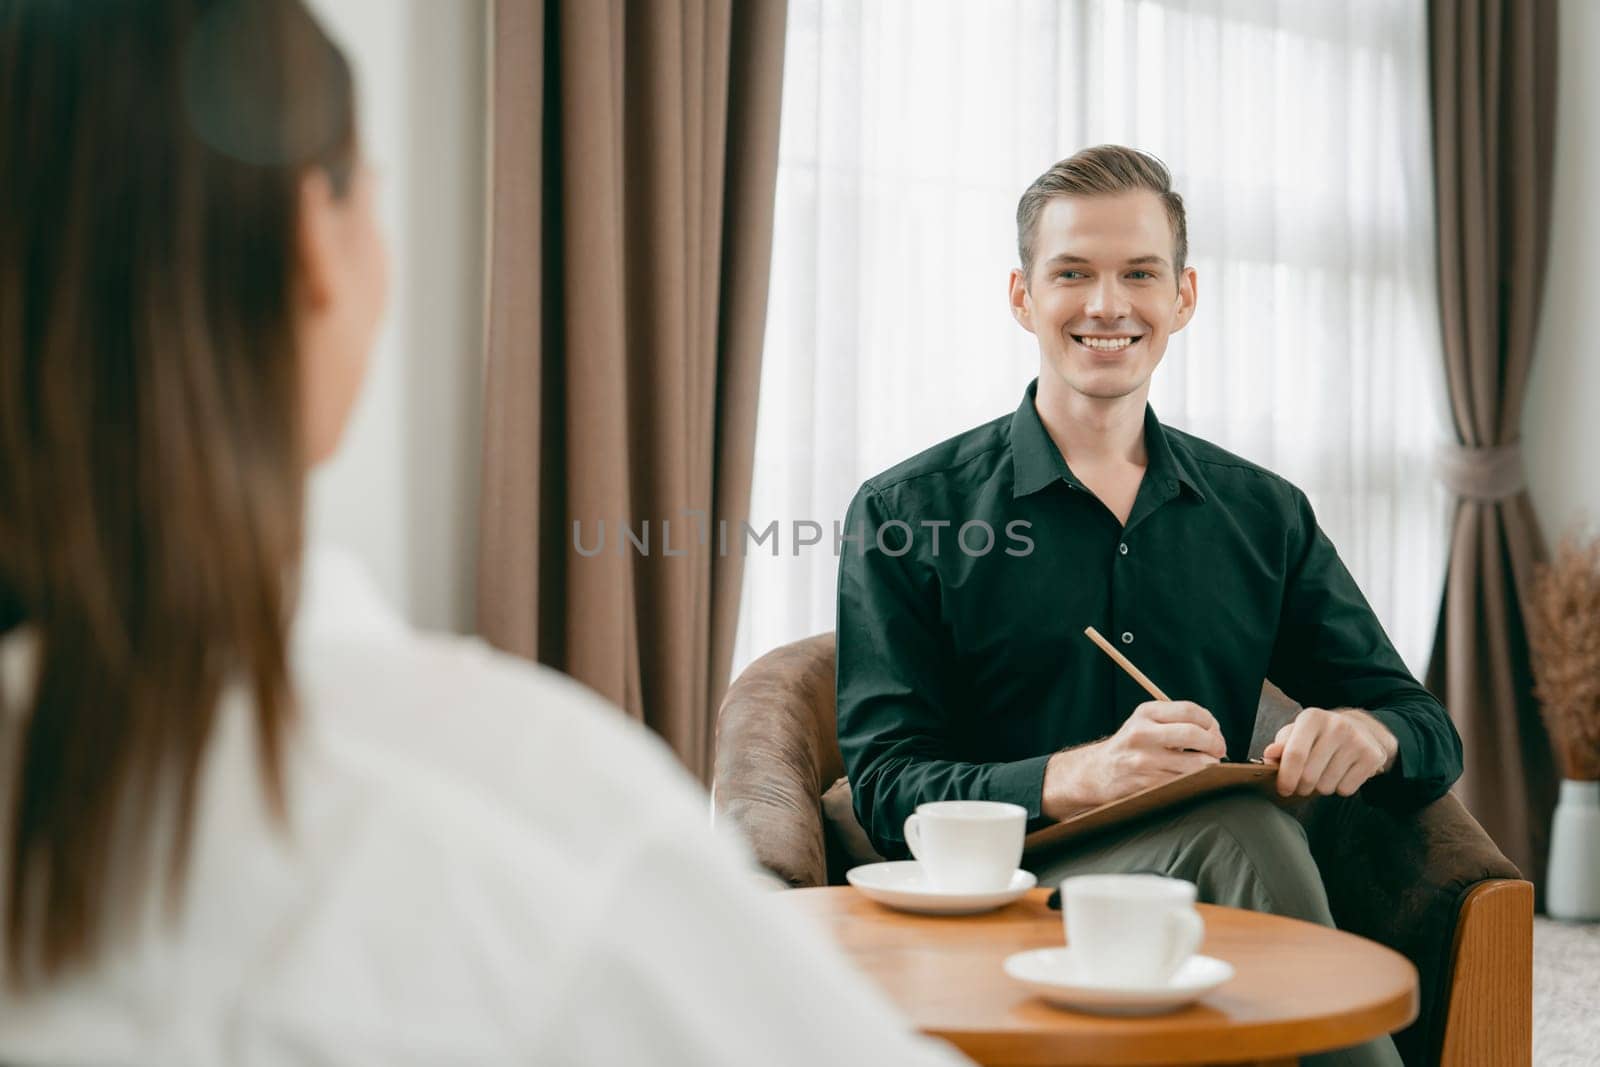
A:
{"x":1561,"y":420}
{"x":402,"y":492}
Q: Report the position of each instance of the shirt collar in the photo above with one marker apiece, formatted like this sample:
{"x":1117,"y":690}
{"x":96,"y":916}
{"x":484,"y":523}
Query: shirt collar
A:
{"x":1169,"y":456}
{"x":339,"y":599}
{"x":1037,"y":462}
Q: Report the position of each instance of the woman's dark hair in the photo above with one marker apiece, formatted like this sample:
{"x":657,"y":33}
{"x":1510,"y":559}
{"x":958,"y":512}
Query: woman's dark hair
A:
{"x":151,"y":454}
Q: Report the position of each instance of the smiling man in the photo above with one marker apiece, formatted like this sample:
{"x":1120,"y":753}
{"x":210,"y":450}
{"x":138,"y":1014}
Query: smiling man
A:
{"x":964,"y":674}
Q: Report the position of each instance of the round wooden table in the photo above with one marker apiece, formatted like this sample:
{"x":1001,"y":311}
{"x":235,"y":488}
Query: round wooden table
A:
{"x":1299,"y":987}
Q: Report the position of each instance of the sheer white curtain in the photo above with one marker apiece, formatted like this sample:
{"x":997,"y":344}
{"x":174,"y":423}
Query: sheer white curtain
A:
{"x":1297,"y":132}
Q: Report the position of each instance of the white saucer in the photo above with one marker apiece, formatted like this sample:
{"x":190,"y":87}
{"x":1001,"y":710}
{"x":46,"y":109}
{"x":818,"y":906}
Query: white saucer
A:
{"x":901,"y":884}
{"x":1050,"y":973}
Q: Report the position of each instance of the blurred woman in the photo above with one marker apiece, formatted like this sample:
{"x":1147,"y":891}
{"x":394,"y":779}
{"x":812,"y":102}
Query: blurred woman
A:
{"x":250,"y":816}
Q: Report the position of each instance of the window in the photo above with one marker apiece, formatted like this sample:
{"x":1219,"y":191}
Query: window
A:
{"x":1297,"y":132}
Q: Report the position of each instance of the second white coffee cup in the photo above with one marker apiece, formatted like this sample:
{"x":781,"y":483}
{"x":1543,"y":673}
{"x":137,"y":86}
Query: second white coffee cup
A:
{"x":967,"y":846}
{"x":1130,"y":930}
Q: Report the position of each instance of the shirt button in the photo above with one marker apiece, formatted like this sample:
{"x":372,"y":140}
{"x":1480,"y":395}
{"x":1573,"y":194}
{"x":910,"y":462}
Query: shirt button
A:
{"x":1123,"y":548}
{"x":1127,"y":638}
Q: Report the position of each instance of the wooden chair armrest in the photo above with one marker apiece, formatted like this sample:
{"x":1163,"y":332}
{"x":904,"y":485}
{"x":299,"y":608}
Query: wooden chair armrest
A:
{"x":1403,"y":879}
{"x":1489,"y":1020}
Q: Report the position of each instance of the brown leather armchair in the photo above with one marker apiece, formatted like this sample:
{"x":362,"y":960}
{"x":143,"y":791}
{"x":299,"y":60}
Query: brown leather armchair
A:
{"x":1428,"y":883}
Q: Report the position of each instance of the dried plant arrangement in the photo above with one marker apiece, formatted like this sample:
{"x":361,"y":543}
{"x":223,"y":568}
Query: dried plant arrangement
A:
{"x":1564,"y":638}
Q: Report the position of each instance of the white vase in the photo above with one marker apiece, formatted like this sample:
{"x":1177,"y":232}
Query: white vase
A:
{"x":1572,"y":885}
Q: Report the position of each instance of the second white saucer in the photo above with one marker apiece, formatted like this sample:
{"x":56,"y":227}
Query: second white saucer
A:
{"x":1051,"y":973}
{"x":902,"y":884}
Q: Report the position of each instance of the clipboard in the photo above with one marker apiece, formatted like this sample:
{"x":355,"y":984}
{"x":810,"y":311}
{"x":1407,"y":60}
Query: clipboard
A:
{"x":1212,"y":779}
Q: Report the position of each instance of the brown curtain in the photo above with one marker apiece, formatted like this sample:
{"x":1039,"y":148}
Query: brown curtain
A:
{"x":633,"y":169}
{"x":1493,"y":80}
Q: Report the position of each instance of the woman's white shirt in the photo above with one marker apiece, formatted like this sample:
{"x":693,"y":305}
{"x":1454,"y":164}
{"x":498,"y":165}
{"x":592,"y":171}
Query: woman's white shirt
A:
{"x":484,"y":863}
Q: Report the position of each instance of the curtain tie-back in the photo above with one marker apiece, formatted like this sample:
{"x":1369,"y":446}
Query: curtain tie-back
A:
{"x":1481,"y":473}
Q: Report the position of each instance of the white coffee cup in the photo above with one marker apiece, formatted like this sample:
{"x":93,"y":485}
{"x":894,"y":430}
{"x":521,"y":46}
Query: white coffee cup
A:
{"x":1130,"y":930}
{"x":967,"y":846}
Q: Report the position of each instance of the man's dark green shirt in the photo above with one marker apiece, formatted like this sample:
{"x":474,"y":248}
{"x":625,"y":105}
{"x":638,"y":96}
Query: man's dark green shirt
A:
{"x":962,"y":662}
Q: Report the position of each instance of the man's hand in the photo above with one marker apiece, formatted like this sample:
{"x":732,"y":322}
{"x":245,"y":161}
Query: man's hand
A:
{"x":1149,"y":748}
{"x":1328,"y":752}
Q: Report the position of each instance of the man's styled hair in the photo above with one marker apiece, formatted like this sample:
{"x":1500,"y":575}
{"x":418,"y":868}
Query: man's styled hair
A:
{"x":1099,"y":171}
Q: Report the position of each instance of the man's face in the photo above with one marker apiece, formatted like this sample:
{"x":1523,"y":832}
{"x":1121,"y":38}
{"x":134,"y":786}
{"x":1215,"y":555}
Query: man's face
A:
{"x":1103,"y":297}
